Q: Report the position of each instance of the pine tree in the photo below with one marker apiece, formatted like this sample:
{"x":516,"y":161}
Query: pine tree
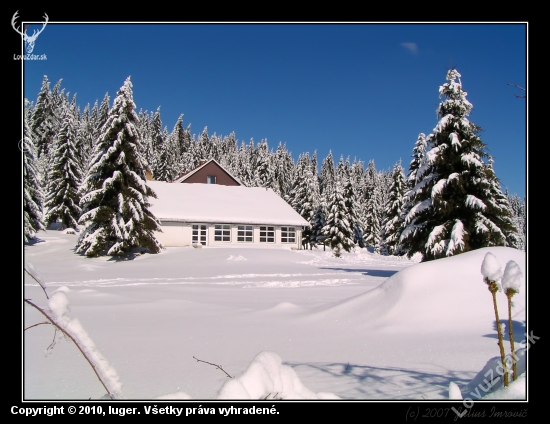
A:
{"x":244,"y":167}
{"x":452,"y":208}
{"x":157,"y":143}
{"x":263,"y":171}
{"x":203,"y":145}
{"x":327,"y":174}
{"x":62,"y":201}
{"x":500,"y":211}
{"x":419,"y":152}
{"x":338,"y":229}
{"x":351,"y":202}
{"x":40,"y":124}
{"x":284,"y":165}
{"x":229,"y":150}
{"x":520,"y":218}
{"x":357,"y":181}
{"x":102,"y":116}
{"x":115,"y":206}
{"x":372,"y":208}
{"x":178,"y":133}
{"x":303,"y":194}
{"x":32,"y":195}
{"x":318,"y":221}
{"x":84,"y":140}
{"x":392,"y":224}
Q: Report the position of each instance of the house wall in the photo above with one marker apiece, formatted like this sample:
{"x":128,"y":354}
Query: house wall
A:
{"x":181,"y":234}
{"x":174,"y":234}
{"x":222,"y":178}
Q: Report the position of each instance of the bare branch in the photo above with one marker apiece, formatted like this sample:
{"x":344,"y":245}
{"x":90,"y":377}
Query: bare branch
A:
{"x":59,"y":326}
{"x":515,"y":85}
{"x":274,"y":396}
{"x":34,"y":325}
{"x":521,"y":88}
{"x":52,"y":344}
{"x":215,"y":365}
{"x":29,"y":269}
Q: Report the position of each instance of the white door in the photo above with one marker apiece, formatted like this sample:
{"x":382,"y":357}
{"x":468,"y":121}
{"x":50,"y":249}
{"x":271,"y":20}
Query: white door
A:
{"x":200,"y":234}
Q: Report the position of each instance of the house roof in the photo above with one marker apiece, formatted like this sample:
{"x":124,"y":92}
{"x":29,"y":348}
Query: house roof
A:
{"x":187,"y":175}
{"x":209,"y":203}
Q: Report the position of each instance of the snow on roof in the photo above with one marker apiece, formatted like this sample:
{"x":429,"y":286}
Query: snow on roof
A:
{"x":221,"y":204}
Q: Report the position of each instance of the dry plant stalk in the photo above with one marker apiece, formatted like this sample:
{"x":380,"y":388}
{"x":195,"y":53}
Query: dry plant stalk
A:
{"x":493,"y":288}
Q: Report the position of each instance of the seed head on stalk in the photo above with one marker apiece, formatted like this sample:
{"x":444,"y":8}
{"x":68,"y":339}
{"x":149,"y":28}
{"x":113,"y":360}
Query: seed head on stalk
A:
{"x":511,"y":281}
{"x":492,"y":273}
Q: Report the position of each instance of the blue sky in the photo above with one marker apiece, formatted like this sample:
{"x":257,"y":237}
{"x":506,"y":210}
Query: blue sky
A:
{"x":361,"y":90}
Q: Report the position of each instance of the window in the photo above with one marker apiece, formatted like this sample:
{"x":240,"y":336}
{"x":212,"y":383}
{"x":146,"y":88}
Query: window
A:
{"x":245,"y":233}
{"x":288,"y":235}
{"x":199,"y":234}
{"x":222,"y":233}
{"x":211,"y":179}
{"x":267,"y":234}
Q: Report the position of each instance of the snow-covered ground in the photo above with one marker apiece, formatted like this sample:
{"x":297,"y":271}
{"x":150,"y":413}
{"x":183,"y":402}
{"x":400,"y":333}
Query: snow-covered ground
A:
{"x":286,"y":324}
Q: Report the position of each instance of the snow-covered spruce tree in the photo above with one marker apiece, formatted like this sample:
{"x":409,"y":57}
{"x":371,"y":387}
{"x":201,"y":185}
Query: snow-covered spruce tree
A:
{"x":338,"y":229}
{"x":228,"y":153}
{"x":166,"y":158}
{"x":318,"y":221}
{"x":392,"y":225}
{"x":304,"y":194}
{"x":32,"y":195}
{"x":284,"y":165}
{"x":41,"y":123}
{"x":352,"y":206}
{"x":520,"y":218}
{"x":263,"y":171}
{"x":327,"y":176}
{"x":419,"y":151}
{"x":452,"y":209}
{"x":115,"y":206}
{"x":414,"y":176}
{"x":499,"y":208}
{"x":62,"y":200}
{"x":244,"y":167}
{"x":84,"y":140}
{"x":372,"y":208}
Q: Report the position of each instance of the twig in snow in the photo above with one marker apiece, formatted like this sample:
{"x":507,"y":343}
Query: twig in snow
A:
{"x":29,"y":269}
{"x":54,"y":322}
{"x":215,"y":365}
{"x":34,"y":325}
{"x":274,"y":396}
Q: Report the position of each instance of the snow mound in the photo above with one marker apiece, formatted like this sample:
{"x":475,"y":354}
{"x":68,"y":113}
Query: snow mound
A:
{"x":399,"y":302}
{"x":267,"y":378}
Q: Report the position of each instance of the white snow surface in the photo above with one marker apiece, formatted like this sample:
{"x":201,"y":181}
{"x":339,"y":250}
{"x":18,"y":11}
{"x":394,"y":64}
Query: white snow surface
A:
{"x":283,"y":324}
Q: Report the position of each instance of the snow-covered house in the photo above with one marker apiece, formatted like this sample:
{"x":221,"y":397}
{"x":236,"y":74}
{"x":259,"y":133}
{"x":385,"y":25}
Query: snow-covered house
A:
{"x":224,"y":215}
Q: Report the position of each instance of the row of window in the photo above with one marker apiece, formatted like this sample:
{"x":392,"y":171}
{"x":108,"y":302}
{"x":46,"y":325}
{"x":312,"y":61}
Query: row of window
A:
{"x":245,"y":234}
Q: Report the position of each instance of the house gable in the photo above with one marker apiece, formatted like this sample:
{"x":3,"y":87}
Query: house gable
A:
{"x":210,"y":172}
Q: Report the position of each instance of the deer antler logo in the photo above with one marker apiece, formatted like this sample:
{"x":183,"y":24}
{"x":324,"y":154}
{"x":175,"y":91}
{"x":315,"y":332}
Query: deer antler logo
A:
{"x":29,"y":40}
